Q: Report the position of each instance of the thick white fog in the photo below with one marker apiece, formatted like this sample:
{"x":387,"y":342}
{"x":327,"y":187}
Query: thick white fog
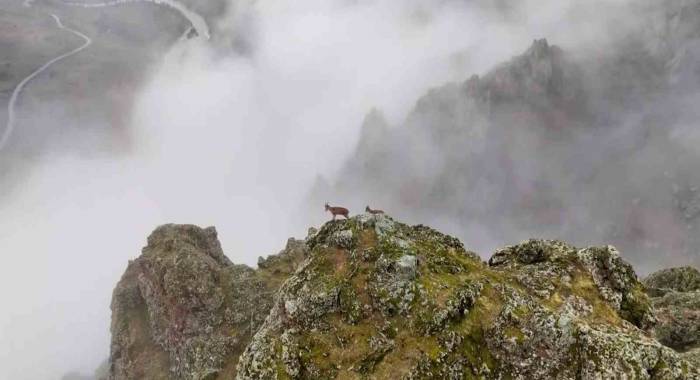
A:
{"x":234,"y":139}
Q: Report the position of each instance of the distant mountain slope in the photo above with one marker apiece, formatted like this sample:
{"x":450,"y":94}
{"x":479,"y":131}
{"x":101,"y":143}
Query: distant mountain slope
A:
{"x":594,"y":146}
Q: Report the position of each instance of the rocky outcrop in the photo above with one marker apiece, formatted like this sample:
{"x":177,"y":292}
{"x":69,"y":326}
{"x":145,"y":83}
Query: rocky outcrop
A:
{"x":614,"y":278}
{"x":683,"y":279}
{"x":692,"y":356}
{"x":380,"y":299}
{"x":679,"y":319}
{"x":370,"y":297}
{"x":182,"y":310}
{"x":676,"y":297}
{"x":673,"y":36}
{"x":542,"y":78}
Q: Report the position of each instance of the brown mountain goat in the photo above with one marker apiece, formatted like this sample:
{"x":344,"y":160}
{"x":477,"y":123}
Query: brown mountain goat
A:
{"x":338,"y":211}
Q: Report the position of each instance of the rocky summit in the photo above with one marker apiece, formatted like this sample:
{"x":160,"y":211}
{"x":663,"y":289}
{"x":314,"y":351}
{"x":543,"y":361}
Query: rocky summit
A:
{"x":676,"y":297}
{"x":373,"y":298}
{"x":182,"y":310}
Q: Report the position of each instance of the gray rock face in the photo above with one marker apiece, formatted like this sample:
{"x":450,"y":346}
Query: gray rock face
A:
{"x":615,"y":279}
{"x":542,"y":77}
{"x":409,"y":302}
{"x":182,"y":310}
{"x":683,"y":279}
{"x":521,"y":149}
{"x":679,"y":320}
{"x":370,"y":297}
{"x":692,"y":356}
{"x":673,"y":35}
{"x":676,"y":299}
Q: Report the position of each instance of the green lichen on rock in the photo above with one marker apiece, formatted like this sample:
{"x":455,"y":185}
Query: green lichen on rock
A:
{"x":679,"y":319}
{"x":676,"y":299}
{"x":379,"y":299}
{"x":370,"y":297}
{"x":683,"y":279}
{"x":543,"y":266}
{"x":692,"y":356}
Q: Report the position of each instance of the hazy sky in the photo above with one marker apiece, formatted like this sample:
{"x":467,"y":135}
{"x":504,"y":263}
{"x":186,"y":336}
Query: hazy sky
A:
{"x":234,"y":138}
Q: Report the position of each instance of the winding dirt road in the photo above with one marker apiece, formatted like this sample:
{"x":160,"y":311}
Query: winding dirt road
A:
{"x":197,"y":21}
{"x":10,"y":126}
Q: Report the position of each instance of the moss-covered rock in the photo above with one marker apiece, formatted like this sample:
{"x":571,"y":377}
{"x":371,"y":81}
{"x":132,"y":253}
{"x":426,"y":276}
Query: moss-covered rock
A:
{"x":682,"y":279}
{"x":543,"y":265}
{"x":676,"y":299}
{"x":182,"y":310}
{"x":370,"y":297}
{"x":692,"y":356}
{"x":391,"y":301}
{"x":679,"y":319}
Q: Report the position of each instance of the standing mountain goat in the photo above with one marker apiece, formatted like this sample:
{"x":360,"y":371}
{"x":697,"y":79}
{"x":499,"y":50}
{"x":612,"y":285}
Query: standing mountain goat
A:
{"x":338,"y":211}
{"x":373,"y":212}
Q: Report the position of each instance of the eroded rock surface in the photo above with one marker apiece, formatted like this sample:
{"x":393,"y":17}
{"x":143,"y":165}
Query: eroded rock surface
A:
{"x":676,"y":298}
{"x":393,"y":301}
{"x":370,"y":297}
{"x":530,"y":146}
{"x":182,"y":310}
{"x":683,"y":279}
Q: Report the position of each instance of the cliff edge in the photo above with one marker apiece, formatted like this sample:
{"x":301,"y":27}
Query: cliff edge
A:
{"x":371,"y":297}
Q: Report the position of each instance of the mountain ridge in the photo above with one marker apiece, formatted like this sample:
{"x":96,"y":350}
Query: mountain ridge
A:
{"x":373,"y":297}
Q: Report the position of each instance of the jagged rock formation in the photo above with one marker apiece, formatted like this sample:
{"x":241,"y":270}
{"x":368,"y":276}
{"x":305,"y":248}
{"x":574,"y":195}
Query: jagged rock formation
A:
{"x":673,"y":37}
{"x":370,"y":297}
{"x":182,"y":310}
{"x":676,"y":297}
{"x":530,"y":147}
{"x":380,"y":299}
{"x":446,"y":150}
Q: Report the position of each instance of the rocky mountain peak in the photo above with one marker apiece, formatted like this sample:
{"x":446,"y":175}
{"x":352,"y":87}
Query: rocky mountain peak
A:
{"x":186,"y":237}
{"x":539,"y":49}
{"x":373,"y":297}
{"x":541,"y":77}
{"x":182,"y":310}
{"x":378,"y":298}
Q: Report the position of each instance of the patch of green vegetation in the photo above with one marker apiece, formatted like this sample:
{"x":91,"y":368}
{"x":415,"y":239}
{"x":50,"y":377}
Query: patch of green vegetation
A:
{"x":447,"y":313}
{"x":389,"y":249}
{"x":370,"y":361}
{"x":473,"y":330}
{"x":280,"y":371}
{"x":315,"y":353}
{"x":636,"y":306}
{"x":349,"y":305}
{"x":658,"y":369}
{"x":514,"y":332}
